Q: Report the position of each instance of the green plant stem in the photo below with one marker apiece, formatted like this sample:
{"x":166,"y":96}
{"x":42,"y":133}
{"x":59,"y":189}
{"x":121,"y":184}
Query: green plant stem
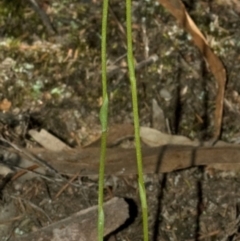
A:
{"x":130,"y":58}
{"x":104,"y":121}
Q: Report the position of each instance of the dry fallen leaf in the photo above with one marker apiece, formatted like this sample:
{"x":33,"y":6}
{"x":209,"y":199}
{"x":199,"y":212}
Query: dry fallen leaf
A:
{"x":5,"y":105}
{"x":155,"y":138}
{"x":177,"y":9}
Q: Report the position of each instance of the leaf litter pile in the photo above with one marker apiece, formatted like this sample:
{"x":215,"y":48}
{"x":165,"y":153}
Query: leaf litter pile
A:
{"x":187,"y":69}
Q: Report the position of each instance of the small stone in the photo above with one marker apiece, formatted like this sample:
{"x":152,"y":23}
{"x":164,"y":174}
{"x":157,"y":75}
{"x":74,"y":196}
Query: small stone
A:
{"x":165,"y":94}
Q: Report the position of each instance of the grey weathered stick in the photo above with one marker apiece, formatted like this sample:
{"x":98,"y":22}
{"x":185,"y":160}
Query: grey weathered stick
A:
{"x":82,"y":226}
{"x":44,"y":17}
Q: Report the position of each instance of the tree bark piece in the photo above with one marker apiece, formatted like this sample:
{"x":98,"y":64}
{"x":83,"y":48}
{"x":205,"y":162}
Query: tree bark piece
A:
{"x":123,"y":161}
{"x":47,"y":140}
{"x":82,"y":226}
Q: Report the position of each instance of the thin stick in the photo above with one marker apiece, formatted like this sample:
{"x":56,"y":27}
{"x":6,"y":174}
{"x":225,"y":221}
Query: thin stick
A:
{"x":66,"y":185}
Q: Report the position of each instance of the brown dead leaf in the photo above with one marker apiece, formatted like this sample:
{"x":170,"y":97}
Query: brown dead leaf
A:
{"x":5,"y":105}
{"x":177,"y":9}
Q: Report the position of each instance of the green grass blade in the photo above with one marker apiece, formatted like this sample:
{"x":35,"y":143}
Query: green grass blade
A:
{"x":104,"y":121}
{"x":130,"y":58}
